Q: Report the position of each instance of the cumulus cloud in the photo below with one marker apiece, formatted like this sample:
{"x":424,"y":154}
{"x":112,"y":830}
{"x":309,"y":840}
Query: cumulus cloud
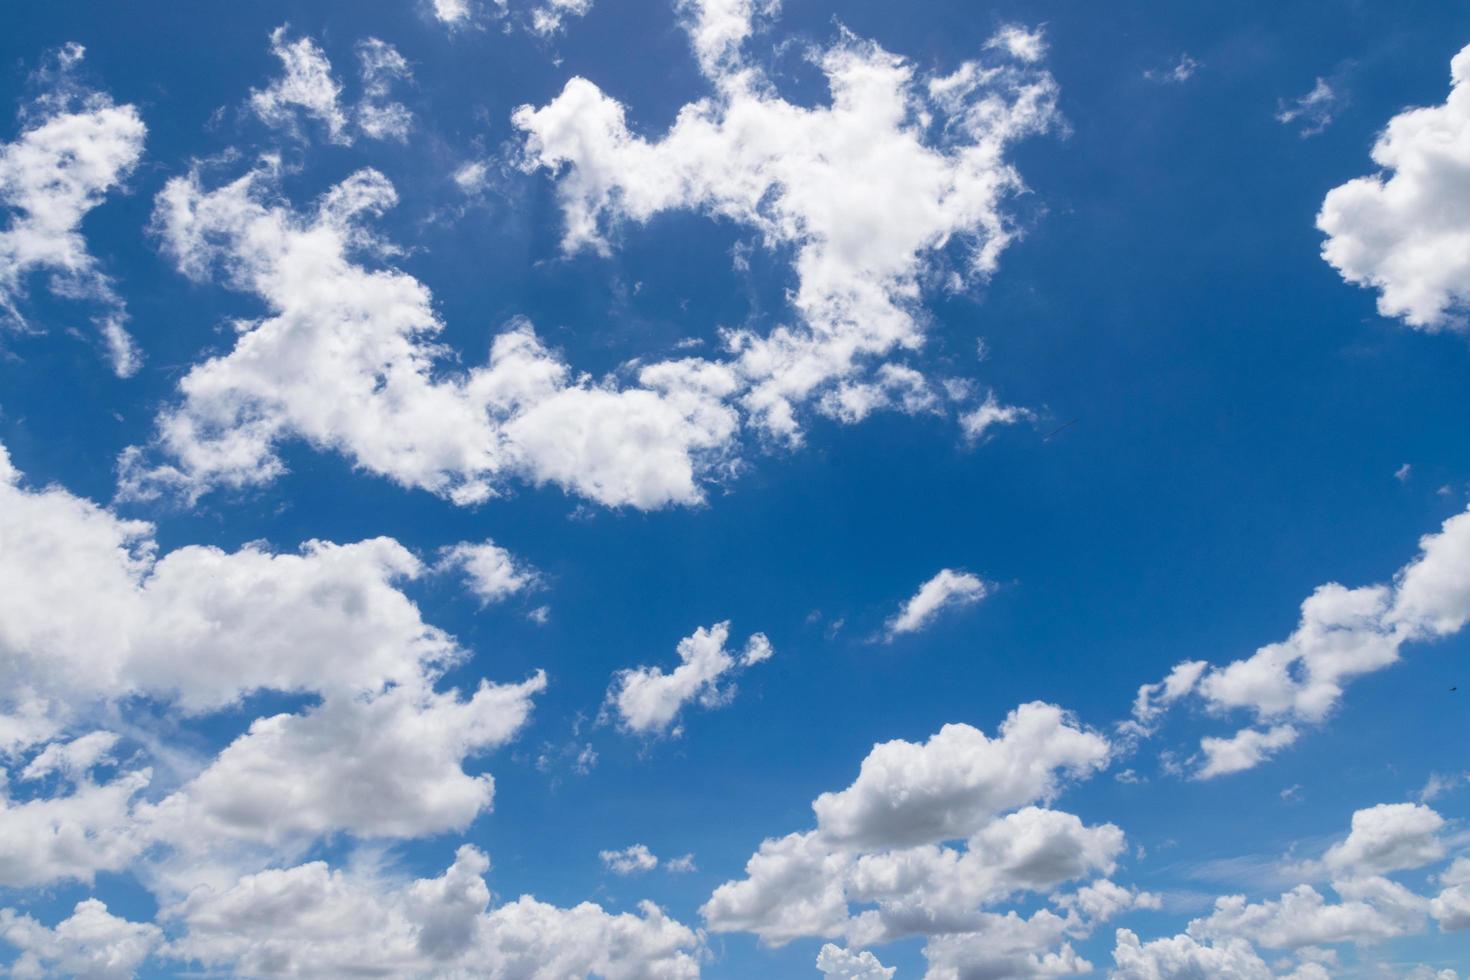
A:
{"x":91,"y":943}
{"x":490,"y":572}
{"x":1344,"y":633}
{"x":948,"y":589}
{"x":1399,"y":231}
{"x":76,"y":146}
{"x":1372,"y":909}
{"x":945,"y":788}
{"x":345,"y":359}
{"x":879,"y":866}
{"x":1388,"y":837}
{"x":381,"y":754}
{"x":647,"y":700}
{"x":312,"y":920}
{"x":71,"y":835}
{"x":844,"y":964}
{"x":866,"y":193}
{"x":1184,"y":958}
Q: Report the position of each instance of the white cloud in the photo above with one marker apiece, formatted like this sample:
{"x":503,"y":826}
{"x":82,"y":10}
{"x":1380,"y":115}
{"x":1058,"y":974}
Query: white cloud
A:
{"x":630,"y":860}
{"x":71,"y":835}
{"x":844,"y":964}
{"x":648,"y":701}
{"x":197,"y":625}
{"x":75,"y":148}
{"x":1372,"y":909}
{"x":491,"y":572}
{"x":451,"y":12}
{"x":378,"y":117}
{"x":1313,"y":111}
{"x":311,"y":920}
{"x":1388,"y":837}
{"x":1020,"y":42}
{"x":1343,"y":634}
{"x":1154,"y":699}
{"x":1400,"y":230}
{"x":380,"y":755}
{"x":383,"y":766}
{"x":305,"y":85}
{"x":949,"y":786}
{"x":91,"y":943}
{"x":865,"y":193}
{"x":346,"y":360}
{"x":1246,"y":749}
{"x":1185,"y":958}
{"x":989,"y":414}
{"x":877,"y":868}
{"x":948,"y":589}
{"x":1451,"y":907}
{"x":549,"y":16}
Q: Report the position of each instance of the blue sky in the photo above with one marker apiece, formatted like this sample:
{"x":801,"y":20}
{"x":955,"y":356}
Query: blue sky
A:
{"x":1076,"y":350}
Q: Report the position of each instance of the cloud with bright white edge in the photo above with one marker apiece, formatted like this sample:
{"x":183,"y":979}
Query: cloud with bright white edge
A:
{"x":837,"y":963}
{"x":648,"y":700}
{"x":883,"y":844}
{"x":1343,"y":634}
{"x":866,"y":192}
{"x":1400,"y":231}
{"x":76,"y":146}
{"x":948,"y":589}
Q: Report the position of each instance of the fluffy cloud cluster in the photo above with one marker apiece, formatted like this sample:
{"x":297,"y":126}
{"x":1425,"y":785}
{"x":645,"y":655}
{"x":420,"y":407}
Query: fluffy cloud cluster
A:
{"x":882,"y":845}
{"x":865,"y":193}
{"x":91,"y":943}
{"x":945,"y":590}
{"x":346,"y":360}
{"x":306,"y":87}
{"x":1371,"y":909}
{"x":648,"y":700}
{"x":1400,"y":231}
{"x":1344,"y":633}
{"x":311,"y":920}
{"x":76,"y":146}
{"x":381,"y":753}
